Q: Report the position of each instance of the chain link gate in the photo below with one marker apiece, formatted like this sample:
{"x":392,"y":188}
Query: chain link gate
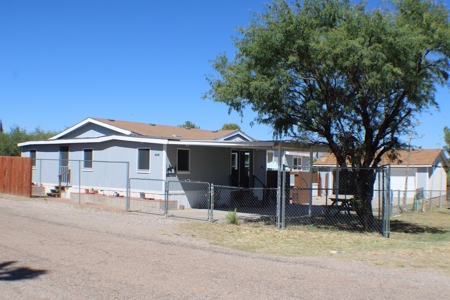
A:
{"x":328,"y":198}
{"x":251,"y":204}
{"x":147,"y":196}
{"x":190,"y":200}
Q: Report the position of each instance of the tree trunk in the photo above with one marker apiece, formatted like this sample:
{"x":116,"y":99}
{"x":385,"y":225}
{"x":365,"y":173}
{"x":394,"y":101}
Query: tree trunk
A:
{"x":359,"y":183}
{"x":363,"y":180}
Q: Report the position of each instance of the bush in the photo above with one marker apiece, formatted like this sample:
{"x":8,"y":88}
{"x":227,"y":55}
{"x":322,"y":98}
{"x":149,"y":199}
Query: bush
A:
{"x":232,"y":217}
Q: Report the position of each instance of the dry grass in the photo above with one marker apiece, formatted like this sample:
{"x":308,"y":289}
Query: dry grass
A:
{"x":418,"y":240}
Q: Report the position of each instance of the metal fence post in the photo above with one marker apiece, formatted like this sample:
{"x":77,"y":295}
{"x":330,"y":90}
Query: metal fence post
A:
{"x":211,"y":213}
{"x":278,"y":205}
{"x":127,"y":202}
{"x":310,"y":186}
{"x":79,"y":182}
{"x":431,"y":199}
{"x":387,"y":201}
{"x":40,"y":176}
{"x":166,"y":197}
{"x":337,"y":181}
{"x":386,"y":218}
{"x":283,"y":201}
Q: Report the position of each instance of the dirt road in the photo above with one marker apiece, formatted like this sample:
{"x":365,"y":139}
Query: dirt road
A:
{"x":53,"y":250}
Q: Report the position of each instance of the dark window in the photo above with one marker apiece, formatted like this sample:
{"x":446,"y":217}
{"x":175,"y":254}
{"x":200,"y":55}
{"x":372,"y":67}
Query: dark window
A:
{"x":88,"y":154}
{"x":144,"y":159}
{"x":64,"y":156}
{"x":297,"y":165}
{"x":183,"y":160}
{"x":33,"y":157}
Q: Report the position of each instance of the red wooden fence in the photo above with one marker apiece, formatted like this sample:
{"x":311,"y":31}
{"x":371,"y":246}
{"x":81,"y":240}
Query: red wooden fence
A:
{"x":15,"y":175}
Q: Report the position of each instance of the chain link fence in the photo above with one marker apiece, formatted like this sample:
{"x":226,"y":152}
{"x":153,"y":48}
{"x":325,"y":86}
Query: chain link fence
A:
{"x":421,"y":200}
{"x":333,"y":198}
{"x":82,"y":181}
{"x":325,"y":197}
{"x":337,"y":198}
{"x":190,"y":200}
{"x":252,"y":204}
{"x":148,"y":196}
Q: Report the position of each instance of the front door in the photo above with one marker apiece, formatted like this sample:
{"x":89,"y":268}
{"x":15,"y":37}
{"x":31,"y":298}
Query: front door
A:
{"x":64,"y":162}
{"x":240,"y":168}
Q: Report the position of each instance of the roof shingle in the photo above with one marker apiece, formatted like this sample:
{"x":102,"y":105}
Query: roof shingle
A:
{"x":418,"y":157}
{"x":167,"y":132}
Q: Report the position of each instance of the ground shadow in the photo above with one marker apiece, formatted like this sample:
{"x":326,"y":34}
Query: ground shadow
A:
{"x":8,"y":272}
{"x":342,"y":222}
{"x":406,"y":227}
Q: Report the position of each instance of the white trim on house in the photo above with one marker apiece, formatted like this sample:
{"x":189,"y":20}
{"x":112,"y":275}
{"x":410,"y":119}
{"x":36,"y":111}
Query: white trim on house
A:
{"x":89,"y":120}
{"x":235,"y":133}
{"x":96,"y":140}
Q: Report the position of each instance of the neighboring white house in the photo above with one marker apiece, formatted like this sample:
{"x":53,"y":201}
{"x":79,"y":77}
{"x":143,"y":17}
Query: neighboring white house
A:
{"x":418,"y":169}
{"x":291,"y":160}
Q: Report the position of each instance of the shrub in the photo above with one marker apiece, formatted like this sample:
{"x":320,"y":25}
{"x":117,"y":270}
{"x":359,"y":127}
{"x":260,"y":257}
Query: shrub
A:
{"x":232,"y":217}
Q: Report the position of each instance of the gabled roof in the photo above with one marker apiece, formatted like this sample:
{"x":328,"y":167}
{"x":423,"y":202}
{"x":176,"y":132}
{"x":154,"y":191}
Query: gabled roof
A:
{"x":422,"y":157}
{"x":156,"y":131}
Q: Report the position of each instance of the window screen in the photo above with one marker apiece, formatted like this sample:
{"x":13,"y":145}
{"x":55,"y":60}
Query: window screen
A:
{"x":88,"y":155}
{"x":144,"y":159}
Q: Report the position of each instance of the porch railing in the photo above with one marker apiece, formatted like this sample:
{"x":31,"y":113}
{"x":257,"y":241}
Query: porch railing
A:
{"x":64,"y":175}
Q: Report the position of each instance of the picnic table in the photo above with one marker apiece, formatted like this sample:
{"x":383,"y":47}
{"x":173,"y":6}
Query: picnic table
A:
{"x":340,"y":203}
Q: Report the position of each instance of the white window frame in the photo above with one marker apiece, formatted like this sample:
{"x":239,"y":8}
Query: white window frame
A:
{"x":235,"y":165}
{"x":247,"y":162}
{"x":189,"y":161}
{"x":297,"y":166}
{"x":84,"y":160}
{"x":149,"y":160}
{"x":273,"y":157}
{"x":33,"y":161}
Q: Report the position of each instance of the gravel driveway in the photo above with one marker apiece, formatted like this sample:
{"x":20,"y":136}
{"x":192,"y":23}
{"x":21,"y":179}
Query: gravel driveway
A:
{"x":54,"y":250}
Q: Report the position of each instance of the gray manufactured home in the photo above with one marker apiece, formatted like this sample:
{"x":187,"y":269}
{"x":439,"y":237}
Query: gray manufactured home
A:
{"x":102,"y":154}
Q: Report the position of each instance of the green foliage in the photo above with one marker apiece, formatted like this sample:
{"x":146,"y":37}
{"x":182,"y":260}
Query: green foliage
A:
{"x":189,"y":125}
{"x":338,"y":73}
{"x":9,"y":141}
{"x":447,"y":147}
{"x":232,"y":217}
{"x":231,"y":126}
{"x":447,"y":140}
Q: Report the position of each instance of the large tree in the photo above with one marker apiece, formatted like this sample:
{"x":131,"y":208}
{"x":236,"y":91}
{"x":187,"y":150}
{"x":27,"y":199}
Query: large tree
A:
{"x":9,"y":140}
{"x":231,"y":126}
{"x":447,"y":147}
{"x":340,"y":74}
{"x":189,"y":125}
{"x":447,"y":140}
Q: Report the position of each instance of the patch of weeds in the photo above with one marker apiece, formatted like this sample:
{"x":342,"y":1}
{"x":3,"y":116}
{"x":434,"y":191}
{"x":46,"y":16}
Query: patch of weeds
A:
{"x":232,"y":217}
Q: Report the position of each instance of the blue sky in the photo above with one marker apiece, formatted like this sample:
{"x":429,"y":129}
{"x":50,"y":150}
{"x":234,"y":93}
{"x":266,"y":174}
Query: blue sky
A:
{"x":143,"y":61}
